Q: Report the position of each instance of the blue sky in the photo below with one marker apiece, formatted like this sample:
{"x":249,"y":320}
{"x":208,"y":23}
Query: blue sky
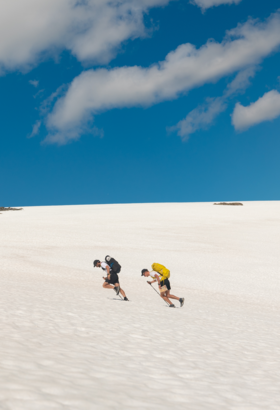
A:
{"x":139,"y":101}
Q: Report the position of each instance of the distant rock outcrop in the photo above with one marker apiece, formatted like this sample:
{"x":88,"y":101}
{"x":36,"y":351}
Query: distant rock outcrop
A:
{"x":2,"y":208}
{"x":228,"y":203}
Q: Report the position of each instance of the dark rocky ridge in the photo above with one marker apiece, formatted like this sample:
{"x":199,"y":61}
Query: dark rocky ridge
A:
{"x":2,"y":208}
{"x":228,"y":203}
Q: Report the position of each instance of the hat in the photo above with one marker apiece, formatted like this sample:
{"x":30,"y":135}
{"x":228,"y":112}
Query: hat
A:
{"x":143,"y":271}
{"x":95,"y":263}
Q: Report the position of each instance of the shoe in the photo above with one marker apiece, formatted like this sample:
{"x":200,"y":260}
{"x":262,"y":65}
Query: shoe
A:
{"x":126,"y":299}
{"x":117,"y":289}
{"x":182,"y":301}
{"x":172,"y":305}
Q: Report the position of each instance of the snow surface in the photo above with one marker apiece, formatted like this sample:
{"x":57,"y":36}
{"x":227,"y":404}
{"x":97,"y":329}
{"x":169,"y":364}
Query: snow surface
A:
{"x":67,"y":343}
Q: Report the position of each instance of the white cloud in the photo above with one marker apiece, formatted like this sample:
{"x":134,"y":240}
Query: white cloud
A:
{"x":264,"y":109}
{"x":35,"y":83}
{"x":90,"y":29}
{"x":204,"y":115}
{"x":36,"y":129}
{"x":72,"y":135}
{"x":185,"y":68}
{"x":200,"y":118}
{"x":206,"y":4}
{"x":241,"y":81}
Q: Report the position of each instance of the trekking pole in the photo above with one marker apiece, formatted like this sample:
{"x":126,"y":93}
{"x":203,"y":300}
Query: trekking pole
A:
{"x":158,"y":293}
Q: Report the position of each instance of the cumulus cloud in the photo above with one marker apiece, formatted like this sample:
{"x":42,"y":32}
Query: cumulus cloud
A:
{"x":35,"y":83}
{"x":62,"y":138}
{"x":206,"y":4}
{"x":90,"y":29}
{"x":200,"y":118}
{"x":264,"y":109}
{"x":36,"y":129}
{"x":240,"y":82}
{"x":187,"y":67}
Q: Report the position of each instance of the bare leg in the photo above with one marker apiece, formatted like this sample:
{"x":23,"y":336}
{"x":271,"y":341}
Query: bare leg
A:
{"x":121,"y":291}
{"x":172,"y":296}
{"x":164,"y":297}
{"x":107,"y":286}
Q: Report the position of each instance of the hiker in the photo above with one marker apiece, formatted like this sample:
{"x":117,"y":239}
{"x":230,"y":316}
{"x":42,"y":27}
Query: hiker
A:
{"x":112,"y":268}
{"x":162,"y":276}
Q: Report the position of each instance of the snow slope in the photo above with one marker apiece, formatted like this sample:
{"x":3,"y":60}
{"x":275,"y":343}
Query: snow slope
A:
{"x":67,"y":343}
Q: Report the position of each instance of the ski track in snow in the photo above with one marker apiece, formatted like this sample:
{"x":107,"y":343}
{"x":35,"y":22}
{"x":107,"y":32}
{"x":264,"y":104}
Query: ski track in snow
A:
{"x":67,"y":343}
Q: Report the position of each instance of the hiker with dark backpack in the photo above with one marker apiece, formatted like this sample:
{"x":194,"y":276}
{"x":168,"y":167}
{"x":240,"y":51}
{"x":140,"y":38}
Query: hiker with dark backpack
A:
{"x":161,"y":276}
{"x":112,"y":268}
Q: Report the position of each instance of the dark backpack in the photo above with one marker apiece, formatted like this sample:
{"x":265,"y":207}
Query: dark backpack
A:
{"x":113,"y":264}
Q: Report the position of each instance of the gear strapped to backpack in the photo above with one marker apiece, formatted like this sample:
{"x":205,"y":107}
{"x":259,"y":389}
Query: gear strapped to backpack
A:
{"x":113,"y":264}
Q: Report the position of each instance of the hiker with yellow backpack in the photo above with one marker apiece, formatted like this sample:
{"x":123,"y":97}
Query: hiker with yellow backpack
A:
{"x":161,"y":276}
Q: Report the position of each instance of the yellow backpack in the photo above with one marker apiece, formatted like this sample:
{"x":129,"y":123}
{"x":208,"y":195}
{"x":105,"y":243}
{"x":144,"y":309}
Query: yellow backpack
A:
{"x":162,"y":270}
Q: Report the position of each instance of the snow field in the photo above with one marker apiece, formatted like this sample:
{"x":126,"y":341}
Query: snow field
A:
{"x":67,"y":343}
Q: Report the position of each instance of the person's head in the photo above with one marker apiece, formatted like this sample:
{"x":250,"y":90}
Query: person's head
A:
{"x":145,"y":272}
{"x":96,"y":263}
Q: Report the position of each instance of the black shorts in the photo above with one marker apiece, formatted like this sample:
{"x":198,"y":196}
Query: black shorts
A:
{"x":166,"y":283}
{"x":113,"y":279}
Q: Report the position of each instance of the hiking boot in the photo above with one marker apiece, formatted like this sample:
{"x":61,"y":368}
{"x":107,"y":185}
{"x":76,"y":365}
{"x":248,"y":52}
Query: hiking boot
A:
{"x":172,"y":305}
{"x":125,"y":298}
{"x":182,"y":301}
{"x":117,"y":289}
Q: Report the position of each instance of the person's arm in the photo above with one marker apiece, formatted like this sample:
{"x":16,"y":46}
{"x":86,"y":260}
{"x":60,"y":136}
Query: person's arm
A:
{"x":106,"y":268}
{"x":151,"y":281}
{"x":156,"y":280}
